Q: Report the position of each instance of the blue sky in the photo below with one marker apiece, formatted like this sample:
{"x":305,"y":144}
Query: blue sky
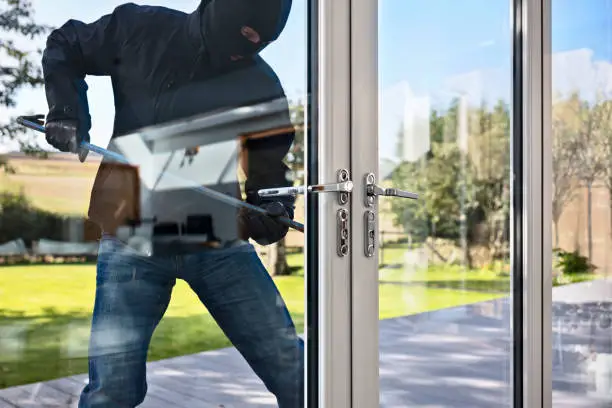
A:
{"x":431,"y":49}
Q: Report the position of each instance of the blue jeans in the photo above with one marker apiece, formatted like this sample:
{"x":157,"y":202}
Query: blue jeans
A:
{"x":132,"y":295}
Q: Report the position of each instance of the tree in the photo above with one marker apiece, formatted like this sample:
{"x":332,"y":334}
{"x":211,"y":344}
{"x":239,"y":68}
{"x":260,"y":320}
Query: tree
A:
{"x":445,"y":195}
{"x":489,"y":154}
{"x":589,"y":120}
{"x":16,"y":67}
{"x":604,"y":146}
{"x":295,"y":159}
{"x":564,"y":163}
{"x":463,"y":180}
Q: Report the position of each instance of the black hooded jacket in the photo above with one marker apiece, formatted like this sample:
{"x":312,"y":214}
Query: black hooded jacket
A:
{"x":166,"y":65}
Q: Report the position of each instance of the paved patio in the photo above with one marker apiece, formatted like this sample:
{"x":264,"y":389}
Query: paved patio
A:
{"x":458,"y":357}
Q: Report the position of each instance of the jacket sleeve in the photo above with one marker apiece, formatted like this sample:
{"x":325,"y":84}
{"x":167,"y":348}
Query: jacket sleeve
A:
{"x":266,"y":167}
{"x":73,"y":51}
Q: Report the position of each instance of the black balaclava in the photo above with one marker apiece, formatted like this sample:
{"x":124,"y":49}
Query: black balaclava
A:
{"x":236,"y":29}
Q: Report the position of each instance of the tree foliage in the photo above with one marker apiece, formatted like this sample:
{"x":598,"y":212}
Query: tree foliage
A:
{"x":463,"y":179}
{"x":466,"y":183}
{"x":17,"y":67}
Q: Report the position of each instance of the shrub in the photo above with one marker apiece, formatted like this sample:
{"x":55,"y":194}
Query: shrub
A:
{"x":572,"y":263}
{"x":19,"y":219}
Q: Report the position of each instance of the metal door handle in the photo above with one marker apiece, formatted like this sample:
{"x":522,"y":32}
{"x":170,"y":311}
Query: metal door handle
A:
{"x":373,"y":190}
{"x":342,"y":187}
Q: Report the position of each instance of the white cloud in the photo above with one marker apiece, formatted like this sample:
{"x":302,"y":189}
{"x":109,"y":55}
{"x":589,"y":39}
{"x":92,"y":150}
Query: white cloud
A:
{"x":572,"y":71}
{"x":578,"y":71}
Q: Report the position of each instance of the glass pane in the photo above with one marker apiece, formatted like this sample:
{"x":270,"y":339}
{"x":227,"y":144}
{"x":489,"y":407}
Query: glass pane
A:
{"x":160,"y":251}
{"x":581,"y":203}
{"x":445,"y":118}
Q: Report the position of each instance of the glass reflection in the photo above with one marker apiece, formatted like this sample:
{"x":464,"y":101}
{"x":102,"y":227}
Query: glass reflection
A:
{"x":445,"y":274}
{"x":581,"y":201}
{"x":201,"y":124}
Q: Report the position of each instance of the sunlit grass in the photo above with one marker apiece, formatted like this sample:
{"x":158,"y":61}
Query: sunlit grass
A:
{"x":45,"y":316}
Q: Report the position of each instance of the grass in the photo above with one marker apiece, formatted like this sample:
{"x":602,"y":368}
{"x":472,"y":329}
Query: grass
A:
{"x":494,"y":280}
{"x":45,"y":310}
{"x":45,"y":316}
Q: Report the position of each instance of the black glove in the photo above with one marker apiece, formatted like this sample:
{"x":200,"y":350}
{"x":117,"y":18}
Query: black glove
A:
{"x":63,"y":135}
{"x":264,"y":229}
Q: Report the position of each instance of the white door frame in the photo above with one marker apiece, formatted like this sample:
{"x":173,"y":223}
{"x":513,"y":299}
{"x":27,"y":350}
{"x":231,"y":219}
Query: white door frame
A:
{"x":329,"y":79}
{"x":533,"y":55}
{"x":364,"y":160}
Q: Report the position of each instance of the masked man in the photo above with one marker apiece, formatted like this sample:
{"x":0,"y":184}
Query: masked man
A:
{"x":166,"y":65}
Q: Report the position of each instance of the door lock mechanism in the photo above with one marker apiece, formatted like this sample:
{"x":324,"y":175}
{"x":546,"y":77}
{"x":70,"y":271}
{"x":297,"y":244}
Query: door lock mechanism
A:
{"x":372,"y":191}
{"x":370,"y":233}
{"x":343,"y":187}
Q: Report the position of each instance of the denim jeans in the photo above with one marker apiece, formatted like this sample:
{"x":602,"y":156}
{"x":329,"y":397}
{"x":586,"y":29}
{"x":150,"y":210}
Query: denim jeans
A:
{"x":132,"y":295}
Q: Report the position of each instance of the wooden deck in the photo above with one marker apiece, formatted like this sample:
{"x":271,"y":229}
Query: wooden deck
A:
{"x":453,"y":358}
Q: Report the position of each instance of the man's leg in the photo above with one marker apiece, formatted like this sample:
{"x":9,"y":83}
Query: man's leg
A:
{"x":132,"y":294}
{"x":237,"y":290}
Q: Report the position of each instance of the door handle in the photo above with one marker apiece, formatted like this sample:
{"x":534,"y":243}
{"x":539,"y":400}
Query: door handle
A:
{"x":342,"y":187}
{"x":372,"y":191}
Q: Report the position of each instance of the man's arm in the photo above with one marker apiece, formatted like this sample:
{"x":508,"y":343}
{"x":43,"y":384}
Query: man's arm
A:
{"x":266,"y":167}
{"x":73,"y":51}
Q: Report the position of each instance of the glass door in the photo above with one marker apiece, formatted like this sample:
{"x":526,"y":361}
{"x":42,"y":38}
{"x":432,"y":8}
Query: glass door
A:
{"x":580,"y":217}
{"x":169,"y":265}
{"x":435,"y":280}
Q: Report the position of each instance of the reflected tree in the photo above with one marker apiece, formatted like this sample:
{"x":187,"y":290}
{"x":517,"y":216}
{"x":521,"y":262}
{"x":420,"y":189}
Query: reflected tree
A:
{"x":604,"y":146}
{"x":586,"y":122}
{"x":564,"y":162}
{"x":489,"y":154}
{"x":463,"y":179}
{"x":17,"y":68}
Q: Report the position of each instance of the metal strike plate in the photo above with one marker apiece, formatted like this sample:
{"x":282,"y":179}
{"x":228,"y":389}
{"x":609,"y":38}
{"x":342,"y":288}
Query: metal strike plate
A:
{"x":342,"y":219}
{"x":344,"y":177}
{"x":370,"y":233}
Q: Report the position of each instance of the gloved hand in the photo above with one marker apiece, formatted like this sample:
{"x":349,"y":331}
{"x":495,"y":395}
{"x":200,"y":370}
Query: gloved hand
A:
{"x":63,"y":135}
{"x":264,"y":229}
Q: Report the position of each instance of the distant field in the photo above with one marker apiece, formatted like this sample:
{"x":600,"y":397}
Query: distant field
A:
{"x":62,"y":185}
{"x":56,"y":184}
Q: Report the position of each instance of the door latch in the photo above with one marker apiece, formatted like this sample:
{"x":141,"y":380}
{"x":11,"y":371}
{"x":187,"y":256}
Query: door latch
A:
{"x":372,"y":191}
{"x":343,"y":187}
{"x":370,"y":233}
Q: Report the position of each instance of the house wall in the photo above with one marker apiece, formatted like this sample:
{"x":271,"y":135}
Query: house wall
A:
{"x":574,"y":231}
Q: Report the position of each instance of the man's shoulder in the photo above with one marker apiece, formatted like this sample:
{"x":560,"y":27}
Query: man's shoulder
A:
{"x":144,"y":13}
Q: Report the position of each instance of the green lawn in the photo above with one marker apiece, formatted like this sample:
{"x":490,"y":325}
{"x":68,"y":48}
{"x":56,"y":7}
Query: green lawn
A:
{"x":457,"y":277}
{"x":45,"y":312}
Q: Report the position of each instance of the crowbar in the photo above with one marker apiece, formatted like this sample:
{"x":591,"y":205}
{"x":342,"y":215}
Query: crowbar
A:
{"x":35,"y":123}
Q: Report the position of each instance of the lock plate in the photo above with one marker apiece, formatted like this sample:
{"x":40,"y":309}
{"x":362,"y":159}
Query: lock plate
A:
{"x":343,"y":177}
{"x":370,"y":233}
{"x":342,"y":221}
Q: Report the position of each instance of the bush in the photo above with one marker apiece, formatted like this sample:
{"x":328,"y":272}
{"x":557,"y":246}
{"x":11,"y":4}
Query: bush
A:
{"x":19,"y":219}
{"x":572,"y":263}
